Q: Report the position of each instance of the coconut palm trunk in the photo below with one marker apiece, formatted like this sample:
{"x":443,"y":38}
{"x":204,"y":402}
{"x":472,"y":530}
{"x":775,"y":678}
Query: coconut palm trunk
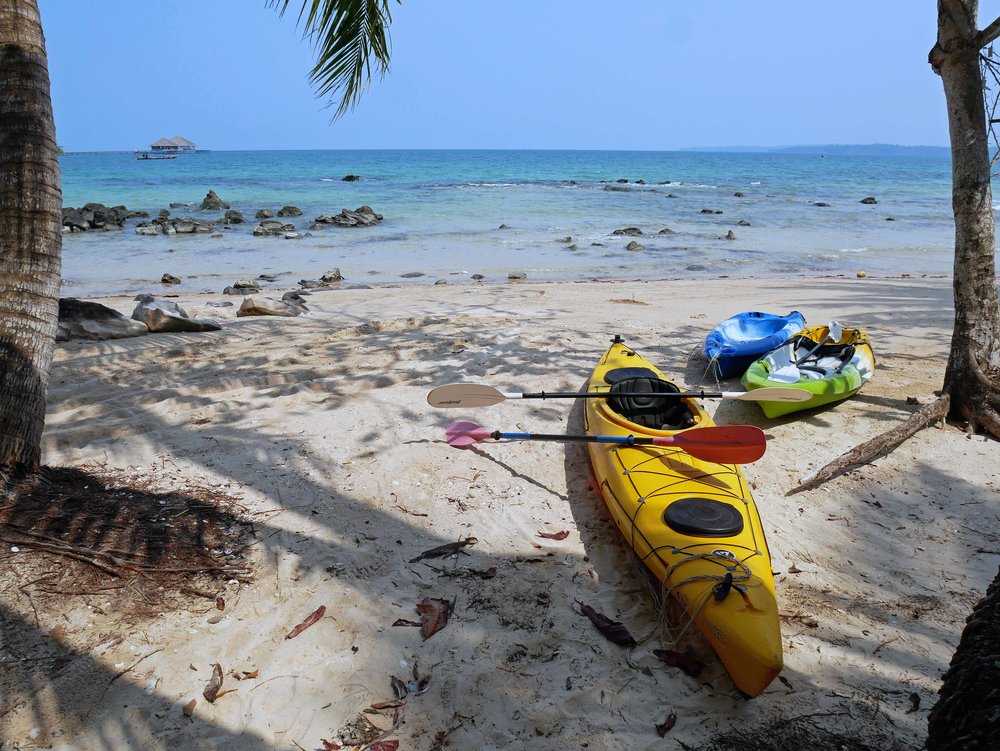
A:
{"x":30,"y":238}
{"x":972,"y":378}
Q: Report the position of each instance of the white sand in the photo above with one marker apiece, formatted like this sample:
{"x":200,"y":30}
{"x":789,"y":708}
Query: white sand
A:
{"x":324,"y":419}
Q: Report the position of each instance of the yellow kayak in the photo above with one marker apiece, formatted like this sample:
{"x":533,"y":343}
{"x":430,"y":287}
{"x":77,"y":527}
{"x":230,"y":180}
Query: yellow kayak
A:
{"x":692,"y":523}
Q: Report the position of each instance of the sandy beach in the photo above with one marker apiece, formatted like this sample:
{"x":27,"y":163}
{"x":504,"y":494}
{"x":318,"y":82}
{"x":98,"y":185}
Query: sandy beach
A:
{"x":318,"y":428}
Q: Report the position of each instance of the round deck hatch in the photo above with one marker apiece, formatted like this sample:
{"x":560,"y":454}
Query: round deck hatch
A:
{"x":703,"y":517}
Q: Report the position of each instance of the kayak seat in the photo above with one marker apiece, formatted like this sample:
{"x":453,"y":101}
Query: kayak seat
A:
{"x":658,"y":413}
{"x":615,"y":375}
{"x":703,"y":517}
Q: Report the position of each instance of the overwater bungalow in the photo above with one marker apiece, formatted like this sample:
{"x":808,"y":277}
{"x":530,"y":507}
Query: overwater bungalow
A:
{"x":175,"y":145}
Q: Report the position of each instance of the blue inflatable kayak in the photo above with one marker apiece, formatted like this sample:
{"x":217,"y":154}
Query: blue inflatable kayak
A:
{"x":738,"y":341}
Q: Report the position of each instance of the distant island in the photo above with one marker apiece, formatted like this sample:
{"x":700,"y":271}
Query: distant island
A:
{"x":871,"y":149}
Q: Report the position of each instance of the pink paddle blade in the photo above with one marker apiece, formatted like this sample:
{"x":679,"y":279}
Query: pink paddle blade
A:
{"x":464,"y":434}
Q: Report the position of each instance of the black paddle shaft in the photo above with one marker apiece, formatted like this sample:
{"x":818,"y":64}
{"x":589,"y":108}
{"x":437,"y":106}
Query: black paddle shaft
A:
{"x":606,"y":394}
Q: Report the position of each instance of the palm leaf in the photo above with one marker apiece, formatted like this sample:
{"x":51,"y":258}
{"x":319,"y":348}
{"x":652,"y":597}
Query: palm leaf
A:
{"x":350,"y":37}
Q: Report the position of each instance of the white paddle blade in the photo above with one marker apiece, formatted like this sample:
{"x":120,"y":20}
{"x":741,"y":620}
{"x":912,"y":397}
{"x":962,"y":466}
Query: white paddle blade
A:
{"x":836,"y":331}
{"x":775,"y":394}
{"x":464,"y":395}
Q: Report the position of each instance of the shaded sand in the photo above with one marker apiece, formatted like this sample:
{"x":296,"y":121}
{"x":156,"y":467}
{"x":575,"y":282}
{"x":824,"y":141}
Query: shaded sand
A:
{"x":319,"y":426}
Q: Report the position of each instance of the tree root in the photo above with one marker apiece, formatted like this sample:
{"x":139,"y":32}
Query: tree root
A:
{"x":879,"y":445}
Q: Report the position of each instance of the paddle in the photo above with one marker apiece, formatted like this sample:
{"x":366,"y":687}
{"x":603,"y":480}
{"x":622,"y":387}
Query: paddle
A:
{"x":834,"y":332}
{"x":729,"y":444}
{"x":478,"y":395}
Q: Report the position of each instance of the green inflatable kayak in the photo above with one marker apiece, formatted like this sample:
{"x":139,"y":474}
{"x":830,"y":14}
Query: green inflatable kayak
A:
{"x":812,"y":361}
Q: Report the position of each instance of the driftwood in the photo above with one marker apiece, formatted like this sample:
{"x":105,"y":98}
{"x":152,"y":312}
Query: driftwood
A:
{"x":880,"y":444}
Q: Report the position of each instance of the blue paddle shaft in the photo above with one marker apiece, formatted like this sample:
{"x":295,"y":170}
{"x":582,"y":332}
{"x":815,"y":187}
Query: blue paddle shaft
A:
{"x":629,"y":440}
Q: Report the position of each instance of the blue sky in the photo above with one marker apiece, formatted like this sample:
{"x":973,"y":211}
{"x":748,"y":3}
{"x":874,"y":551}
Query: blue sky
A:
{"x":520,"y":74}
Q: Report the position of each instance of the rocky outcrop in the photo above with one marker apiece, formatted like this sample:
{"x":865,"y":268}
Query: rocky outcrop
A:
{"x":265,"y":306}
{"x":363,"y":216}
{"x":351,"y":178}
{"x":630,"y":231}
{"x":271,"y":228}
{"x":166,"y":316}
{"x":162,"y":225}
{"x":212,"y":202}
{"x":96,"y":216}
{"x":232,"y":217}
{"x":263,"y":214}
{"x":242,"y":287}
{"x":289,"y":211}
{"x":170,"y":279}
{"x":81,"y":319}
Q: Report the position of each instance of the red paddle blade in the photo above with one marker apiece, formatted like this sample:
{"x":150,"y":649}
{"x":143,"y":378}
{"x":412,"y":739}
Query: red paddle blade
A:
{"x":725,"y":444}
{"x":464,"y":434}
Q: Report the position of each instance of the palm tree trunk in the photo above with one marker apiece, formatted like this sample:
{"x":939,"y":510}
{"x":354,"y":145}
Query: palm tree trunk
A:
{"x":30,"y":238}
{"x":966,"y":717}
{"x":974,"y":360}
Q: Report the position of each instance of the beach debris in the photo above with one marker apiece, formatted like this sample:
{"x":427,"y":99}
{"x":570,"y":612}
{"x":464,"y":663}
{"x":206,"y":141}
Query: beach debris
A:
{"x":614,"y":631}
{"x":793,"y":569}
{"x":806,"y":620}
{"x":434,"y":613}
{"x":330,"y":745}
{"x":82,"y":319}
{"x":786,"y":682}
{"x":390,"y":745}
{"x":391,"y":704}
{"x":555,"y":535}
{"x":312,"y":618}
{"x":246,"y":675}
{"x":451,"y":548}
{"x":663,"y":728}
{"x":406,"y":622}
{"x":881,"y":444}
{"x":211,"y":692}
{"x":914,"y":703}
{"x":686,"y":662}
{"x":212,"y":201}
{"x":188,"y":709}
{"x":398,"y":687}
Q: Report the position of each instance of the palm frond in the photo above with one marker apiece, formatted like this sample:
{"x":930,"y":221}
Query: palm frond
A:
{"x":350,"y":38}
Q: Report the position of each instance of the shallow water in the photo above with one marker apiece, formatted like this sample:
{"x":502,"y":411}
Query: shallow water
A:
{"x":443,"y":210}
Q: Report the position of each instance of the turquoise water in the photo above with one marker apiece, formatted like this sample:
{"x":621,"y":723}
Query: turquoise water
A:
{"x":443,"y":210}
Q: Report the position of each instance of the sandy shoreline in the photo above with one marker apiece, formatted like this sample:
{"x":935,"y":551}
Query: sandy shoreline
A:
{"x":320,"y":425}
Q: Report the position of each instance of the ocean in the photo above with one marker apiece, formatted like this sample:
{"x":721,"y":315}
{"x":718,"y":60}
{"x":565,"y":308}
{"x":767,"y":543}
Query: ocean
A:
{"x":443,"y":212}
